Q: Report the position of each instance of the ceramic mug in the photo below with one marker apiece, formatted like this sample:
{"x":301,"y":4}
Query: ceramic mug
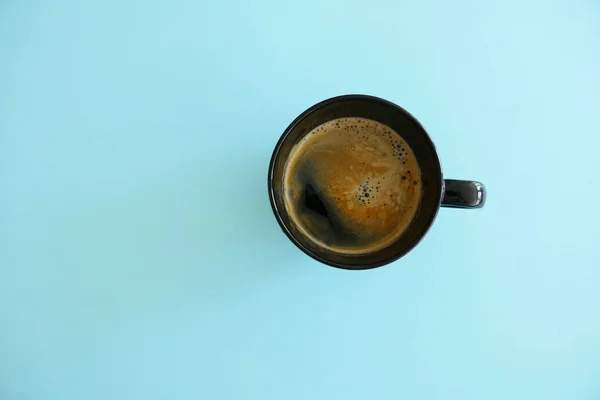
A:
{"x":436,"y":191}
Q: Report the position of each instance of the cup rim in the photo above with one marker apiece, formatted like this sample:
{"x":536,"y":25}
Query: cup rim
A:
{"x":290,"y":129}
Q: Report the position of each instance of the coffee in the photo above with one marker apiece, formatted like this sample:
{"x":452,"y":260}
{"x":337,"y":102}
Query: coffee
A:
{"x":352,"y":185}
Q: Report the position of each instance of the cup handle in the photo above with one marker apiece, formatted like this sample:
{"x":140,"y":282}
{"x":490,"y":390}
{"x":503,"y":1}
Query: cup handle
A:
{"x":463,"y":194}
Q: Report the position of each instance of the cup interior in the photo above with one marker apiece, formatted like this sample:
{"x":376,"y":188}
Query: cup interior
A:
{"x":386,"y":113}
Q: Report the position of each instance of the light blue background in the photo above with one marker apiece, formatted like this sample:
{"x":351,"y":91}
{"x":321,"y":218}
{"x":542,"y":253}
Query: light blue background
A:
{"x":139,"y":258}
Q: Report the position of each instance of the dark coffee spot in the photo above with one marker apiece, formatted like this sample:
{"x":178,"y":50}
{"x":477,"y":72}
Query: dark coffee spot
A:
{"x":312,"y":201}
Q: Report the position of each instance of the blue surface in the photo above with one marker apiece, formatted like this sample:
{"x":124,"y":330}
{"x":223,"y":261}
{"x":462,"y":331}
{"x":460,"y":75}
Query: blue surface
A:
{"x":139,"y":258}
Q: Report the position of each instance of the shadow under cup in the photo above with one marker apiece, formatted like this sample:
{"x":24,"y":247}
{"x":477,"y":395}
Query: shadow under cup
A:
{"x":400,"y":121}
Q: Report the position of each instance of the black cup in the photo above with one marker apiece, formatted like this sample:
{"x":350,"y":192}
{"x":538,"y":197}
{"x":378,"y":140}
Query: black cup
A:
{"x":437,"y":191}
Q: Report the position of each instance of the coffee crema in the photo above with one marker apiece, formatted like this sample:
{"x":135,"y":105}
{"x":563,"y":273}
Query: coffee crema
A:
{"x":352,"y":185}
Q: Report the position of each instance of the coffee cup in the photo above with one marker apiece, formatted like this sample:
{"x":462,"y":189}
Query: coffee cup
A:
{"x":356,"y":182}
